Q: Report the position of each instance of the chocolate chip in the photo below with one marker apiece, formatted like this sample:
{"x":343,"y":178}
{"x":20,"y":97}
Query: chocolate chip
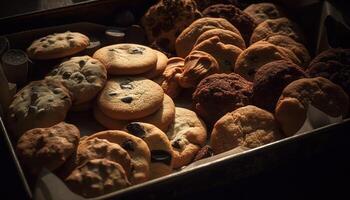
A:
{"x":45,"y":45}
{"x":136,"y":129}
{"x":127,"y":99}
{"x":176,"y":144}
{"x":112,"y":93}
{"x":136,"y":50}
{"x":66,"y":75}
{"x":81,"y":63}
{"x":161,"y":156}
{"x":126,"y":85}
{"x":128,"y":145}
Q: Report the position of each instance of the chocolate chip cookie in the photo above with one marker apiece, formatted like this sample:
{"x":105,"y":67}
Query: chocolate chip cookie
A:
{"x":160,"y":66}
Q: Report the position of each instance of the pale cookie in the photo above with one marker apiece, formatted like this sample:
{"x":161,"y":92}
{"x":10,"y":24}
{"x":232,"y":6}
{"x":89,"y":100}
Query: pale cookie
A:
{"x":83,"y":76}
{"x":160,"y":67}
{"x":198,"y":65}
{"x":47,"y":147}
{"x":292,"y":106}
{"x":97,"y":177}
{"x":248,"y":126}
{"x":225,"y":36}
{"x":159,"y":145}
{"x":280,"y":26}
{"x":225,"y":54}
{"x":138,"y":150}
{"x":161,"y":118}
{"x":261,"y":12}
{"x":127,"y":59}
{"x":128,"y":98}
{"x":187,"y":134}
{"x":259,"y":54}
{"x":58,"y":45}
{"x":184,"y":43}
{"x":40,"y":104}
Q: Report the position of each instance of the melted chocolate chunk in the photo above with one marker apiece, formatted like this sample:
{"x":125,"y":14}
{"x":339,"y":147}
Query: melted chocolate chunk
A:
{"x":176,"y":144}
{"x":126,"y":85}
{"x":136,"y":129}
{"x":128,"y":145}
{"x":161,"y":156}
{"x":81,"y":63}
{"x":127,"y":99}
{"x":136,"y":50}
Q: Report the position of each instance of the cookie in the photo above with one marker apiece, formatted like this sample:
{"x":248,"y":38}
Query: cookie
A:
{"x":97,"y":177}
{"x":203,"y":4}
{"x":137,"y":149}
{"x":167,"y":80}
{"x":83,"y":76}
{"x":271,"y":79}
{"x":248,"y":126}
{"x":280,"y":26}
{"x":184,"y":43}
{"x":40,"y":104}
{"x":160,"y":67}
{"x":198,"y":65}
{"x":333,"y":64}
{"x":127,"y":59}
{"x":259,"y":54}
{"x":164,"y":21}
{"x":242,"y":21}
{"x":204,"y":152}
{"x":128,"y":98}
{"x":225,"y":36}
{"x":225,"y":54}
{"x":261,"y":12}
{"x":297,"y":48}
{"x":187,"y":135}
{"x":57,"y":45}
{"x":47,"y":148}
{"x":161,"y":118}
{"x":292,"y":106}
{"x":159,"y":145}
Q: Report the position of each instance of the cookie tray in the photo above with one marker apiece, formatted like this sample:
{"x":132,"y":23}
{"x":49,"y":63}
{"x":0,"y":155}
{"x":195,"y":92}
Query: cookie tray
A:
{"x":203,"y":175}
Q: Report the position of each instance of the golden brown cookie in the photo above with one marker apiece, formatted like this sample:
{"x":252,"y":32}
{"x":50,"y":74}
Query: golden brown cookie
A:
{"x":161,"y":118}
{"x":261,"y":12}
{"x":225,"y":36}
{"x":184,"y":43}
{"x":292,"y":106}
{"x":137,"y":149}
{"x":58,"y":45}
{"x":83,"y":76}
{"x":259,"y":54}
{"x":187,"y":134}
{"x":40,"y":104}
{"x":280,"y":26}
{"x":225,"y":54}
{"x":160,"y":67}
{"x":47,"y":148}
{"x":198,"y":65}
{"x":161,"y":151}
{"x":127,"y":59}
{"x":97,"y":177}
{"x":248,"y":126}
{"x":128,"y":98}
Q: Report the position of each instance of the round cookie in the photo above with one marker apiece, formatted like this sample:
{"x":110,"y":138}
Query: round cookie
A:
{"x":97,"y":177}
{"x":47,"y":148}
{"x":297,"y":48}
{"x":242,"y":21}
{"x":225,"y":54}
{"x":187,"y":134}
{"x":160,"y":67}
{"x":161,"y":118}
{"x":248,"y":126}
{"x":184,"y":43}
{"x":292,"y":106}
{"x":259,"y":54}
{"x":280,"y":26}
{"x":271,"y":79}
{"x":164,"y":21}
{"x":127,"y":59}
{"x":261,"y":12}
{"x":333,"y":64}
{"x":219,"y":94}
{"x":57,"y":45}
{"x":198,"y":65}
{"x":137,"y":149}
{"x":128,"y":98}
{"x":203,"y":4}
{"x":159,"y":145}
{"x":40,"y":104}
{"x":225,"y":36}
{"x":83,"y":76}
